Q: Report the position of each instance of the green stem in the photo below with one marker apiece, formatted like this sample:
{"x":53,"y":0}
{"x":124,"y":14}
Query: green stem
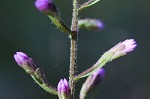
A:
{"x":73,"y":47}
{"x":59,"y":24}
{"x":40,"y":79}
{"x":106,"y":57}
{"x":72,"y":66}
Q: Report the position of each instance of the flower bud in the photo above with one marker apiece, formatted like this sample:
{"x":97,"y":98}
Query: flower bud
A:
{"x":46,"y":6}
{"x":25,"y":62}
{"x":123,"y":48}
{"x":63,"y":89}
{"x":21,"y":58}
{"x":91,"y":82}
{"x":91,"y":24}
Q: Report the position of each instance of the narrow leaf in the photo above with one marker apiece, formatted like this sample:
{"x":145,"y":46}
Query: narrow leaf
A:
{"x":87,"y":4}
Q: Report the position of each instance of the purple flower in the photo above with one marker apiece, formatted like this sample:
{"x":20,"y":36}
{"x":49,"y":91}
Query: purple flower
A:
{"x":123,"y":48}
{"x":129,"y":44}
{"x":95,"y":78}
{"x":63,"y":89}
{"x":21,"y":58}
{"x":98,"y":75}
{"x":91,"y":24}
{"x":63,"y":86}
{"x":25,"y":62}
{"x":91,"y":82}
{"x":100,"y":25}
{"x":46,"y":6}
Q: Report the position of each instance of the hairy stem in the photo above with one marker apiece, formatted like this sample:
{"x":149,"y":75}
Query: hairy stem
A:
{"x":73,"y":66}
{"x":40,"y":79}
{"x":73,"y":47}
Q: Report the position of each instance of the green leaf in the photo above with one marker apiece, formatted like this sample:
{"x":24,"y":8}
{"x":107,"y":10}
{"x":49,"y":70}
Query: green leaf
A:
{"x":87,"y":4}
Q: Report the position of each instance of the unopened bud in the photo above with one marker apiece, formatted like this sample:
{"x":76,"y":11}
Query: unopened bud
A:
{"x":63,"y":89}
{"x":46,"y":6}
{"x":25,"y":62}
{"x":91,"y":24}
{"x":91,"y":82}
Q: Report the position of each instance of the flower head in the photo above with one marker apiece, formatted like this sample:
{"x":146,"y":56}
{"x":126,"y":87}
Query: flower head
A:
{"x":63,"y":86}
{"x":123,"y":48}
{"x":21,"y":58}
{"x":91,"y":82}
{"x":94,"y":79}
{"x":129,"y":44}
{"x":91,"y":24}
{"x":25,"y":62}
{"x":46,"y":6}
{"x":98,"y":75}
{"x":63,"y":89}
{"x":100,"y":25}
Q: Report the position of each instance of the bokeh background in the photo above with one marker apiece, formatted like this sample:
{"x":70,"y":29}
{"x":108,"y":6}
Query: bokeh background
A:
{"x":23,"y":28}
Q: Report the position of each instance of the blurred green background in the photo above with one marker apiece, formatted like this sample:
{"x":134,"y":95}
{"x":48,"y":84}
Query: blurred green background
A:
{"x":23,"y":28}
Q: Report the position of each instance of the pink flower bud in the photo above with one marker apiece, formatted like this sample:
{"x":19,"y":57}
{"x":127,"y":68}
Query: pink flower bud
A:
{"x":91,"y":82}
{"x":123,"y":48}
{"x":25,"y":62}
{"x":91,"y":24}
{"x":46,"y":6}
{"x":129,"y":44}
{"x":21,"y":58}
{"x":63,"y":86}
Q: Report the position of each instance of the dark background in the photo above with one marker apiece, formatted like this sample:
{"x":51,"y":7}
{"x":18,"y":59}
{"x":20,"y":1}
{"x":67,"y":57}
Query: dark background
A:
{"x":23,"y":28}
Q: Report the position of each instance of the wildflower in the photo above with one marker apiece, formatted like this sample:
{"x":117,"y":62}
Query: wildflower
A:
{"x":46,"y":6}
{"x":25,"y":62}
{"x":123,"y":48}
{"x":63,"y":89}
{"x":91,"y":24}
{"x":91,"y":82}
{"x":20,"y":58}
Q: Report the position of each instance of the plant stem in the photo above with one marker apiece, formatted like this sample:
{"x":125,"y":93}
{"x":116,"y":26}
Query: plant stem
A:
{"x":58,"y":22}
{"x":73,"y":66}
{"x":73,"y":47}
{"x":40,"y":79}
